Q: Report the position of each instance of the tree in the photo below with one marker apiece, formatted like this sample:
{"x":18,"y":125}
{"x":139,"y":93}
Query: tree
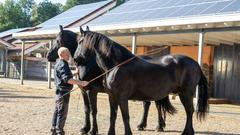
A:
{"x":26,"y":6}
{"x":44,"y":11}
{"x":72,"y":3}
{"x":11,"y":15}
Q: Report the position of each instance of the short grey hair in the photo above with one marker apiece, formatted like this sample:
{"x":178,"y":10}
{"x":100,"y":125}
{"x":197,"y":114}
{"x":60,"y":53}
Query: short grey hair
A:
{"x":62,"y":49}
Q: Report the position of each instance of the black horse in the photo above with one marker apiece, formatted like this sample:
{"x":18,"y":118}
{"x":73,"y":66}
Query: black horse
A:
{"x":178,"y":74}
{"x":88,"y":70}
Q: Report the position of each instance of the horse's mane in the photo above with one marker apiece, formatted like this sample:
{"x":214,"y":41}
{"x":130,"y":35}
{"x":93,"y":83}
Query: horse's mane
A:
{"x":68,"y":32}
{"x":105,"y":46}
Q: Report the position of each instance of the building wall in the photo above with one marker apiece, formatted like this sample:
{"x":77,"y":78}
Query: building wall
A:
{"x":32,"y":69}
{"x":144,"y":50}
{"x":227,"y":72}
{"x":192,"y":51}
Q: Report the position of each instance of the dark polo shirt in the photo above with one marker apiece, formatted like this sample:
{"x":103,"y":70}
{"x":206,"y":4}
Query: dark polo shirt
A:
{"x":62,"y":74}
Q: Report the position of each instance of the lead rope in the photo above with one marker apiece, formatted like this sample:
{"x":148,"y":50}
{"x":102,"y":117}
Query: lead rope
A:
{"x":151,"y":52}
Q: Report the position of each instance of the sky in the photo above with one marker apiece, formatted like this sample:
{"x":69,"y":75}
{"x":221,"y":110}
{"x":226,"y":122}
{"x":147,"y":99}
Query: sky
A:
{"x":54,"y":1}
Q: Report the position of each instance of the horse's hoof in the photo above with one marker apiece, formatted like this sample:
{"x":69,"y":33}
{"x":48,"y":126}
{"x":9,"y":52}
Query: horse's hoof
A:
{"x":140,"y":128}
{"x":159,"y":129}
{"x":83,"y":131}
{"x":93,"y":133}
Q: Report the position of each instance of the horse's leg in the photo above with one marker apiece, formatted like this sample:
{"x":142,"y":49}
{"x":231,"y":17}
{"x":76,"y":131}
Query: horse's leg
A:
{"x":143,"y":123}
{"x":125,"y":115}
{"x":186,"y":97}
{"x":161,"y":120}
{"x":87,"y":125}
{"x":113,"y":116}
{"x":92,"y":95}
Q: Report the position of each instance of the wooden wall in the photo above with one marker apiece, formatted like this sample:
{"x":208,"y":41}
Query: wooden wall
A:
{"x":142,"y":50}
{"x":192,"y":51}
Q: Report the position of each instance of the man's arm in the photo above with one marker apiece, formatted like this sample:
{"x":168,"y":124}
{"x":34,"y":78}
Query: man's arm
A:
{"x":81,"y":83}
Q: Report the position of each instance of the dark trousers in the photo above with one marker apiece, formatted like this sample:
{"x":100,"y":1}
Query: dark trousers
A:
{"x":60,"y":113}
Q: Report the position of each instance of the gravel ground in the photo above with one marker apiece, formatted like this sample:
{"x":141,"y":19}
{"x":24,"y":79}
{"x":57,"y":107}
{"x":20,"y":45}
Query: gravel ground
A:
{"x":27,"y":110}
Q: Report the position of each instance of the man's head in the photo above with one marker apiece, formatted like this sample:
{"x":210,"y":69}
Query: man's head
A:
{"x":64,"y":53}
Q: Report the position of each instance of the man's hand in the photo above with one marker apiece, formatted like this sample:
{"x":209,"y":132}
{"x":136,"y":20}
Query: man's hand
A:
{"x":75,"y":72}
{"x":83,"y":83}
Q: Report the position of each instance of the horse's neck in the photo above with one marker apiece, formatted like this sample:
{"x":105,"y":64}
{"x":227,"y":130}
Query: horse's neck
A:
{"x":118,"y":55}
{"x":73,"y":47}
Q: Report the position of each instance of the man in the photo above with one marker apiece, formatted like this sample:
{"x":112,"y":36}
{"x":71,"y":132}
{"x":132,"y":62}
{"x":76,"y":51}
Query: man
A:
{"x":64,"y":83}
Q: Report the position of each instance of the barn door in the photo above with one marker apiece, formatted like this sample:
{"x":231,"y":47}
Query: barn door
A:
{"x":227,"y":72}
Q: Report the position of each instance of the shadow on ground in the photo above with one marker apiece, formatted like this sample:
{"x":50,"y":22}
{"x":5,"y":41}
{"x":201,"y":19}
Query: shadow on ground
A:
{"x":12,"y":94}
{"x":204,"y":133}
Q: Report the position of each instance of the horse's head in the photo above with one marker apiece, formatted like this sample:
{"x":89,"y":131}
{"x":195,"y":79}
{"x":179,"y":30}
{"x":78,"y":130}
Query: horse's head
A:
{"x":83,"y":51}
{"x":65,"y":38}
{"x":106,"y":52}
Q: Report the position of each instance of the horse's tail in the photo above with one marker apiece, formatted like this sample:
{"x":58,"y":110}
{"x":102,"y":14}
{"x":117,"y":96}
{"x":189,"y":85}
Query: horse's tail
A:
{"x":166,"y":106}
{"x":202,"y":103}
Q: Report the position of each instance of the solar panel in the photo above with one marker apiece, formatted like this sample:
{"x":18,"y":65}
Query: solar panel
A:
{"x":216,"y":7}
{"x":182,"y":11}
{"x":197,"y":9}
{"x":234,"y":6}
{"x":182,"y":2}
{"x":73,"y":14}
{"x":144,"y":10}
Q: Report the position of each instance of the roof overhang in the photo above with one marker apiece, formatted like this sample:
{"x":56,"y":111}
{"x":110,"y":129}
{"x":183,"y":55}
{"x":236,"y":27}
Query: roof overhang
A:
{"x":152,"y":32}
{"x":174,"y":24}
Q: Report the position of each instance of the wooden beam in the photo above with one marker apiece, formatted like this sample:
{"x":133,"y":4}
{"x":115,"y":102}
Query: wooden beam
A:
{"x":6,"y":43}
{"x":22,"y":63}
{"x":49,"y":67}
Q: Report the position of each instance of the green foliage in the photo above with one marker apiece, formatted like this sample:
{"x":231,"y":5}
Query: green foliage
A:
{"x":44,"y":11}
{"x":72,"y":3}
{"x":26,"y":6}
{"x":11,"y":15}
{"x":26,"y":13}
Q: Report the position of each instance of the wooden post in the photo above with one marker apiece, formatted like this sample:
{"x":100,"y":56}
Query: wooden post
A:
{"x":22,"y":63}
{"x":200,"y":54}
{"x":6,"y":63}
{"x":49,"y":67}
{"x":134,"y":43}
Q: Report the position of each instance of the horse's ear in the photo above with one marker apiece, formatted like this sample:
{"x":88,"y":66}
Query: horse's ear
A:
{"x":87,"y":29}
{"x":81,"y":31}
{"x":61,"y":27}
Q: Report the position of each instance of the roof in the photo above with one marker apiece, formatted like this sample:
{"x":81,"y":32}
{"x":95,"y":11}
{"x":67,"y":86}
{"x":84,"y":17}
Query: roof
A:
{"x":9,"y":32}
{"x":150,"y":19}
{"x":166,"y":12}
{"x":72,"y":15}
{"x":6,"y":37}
